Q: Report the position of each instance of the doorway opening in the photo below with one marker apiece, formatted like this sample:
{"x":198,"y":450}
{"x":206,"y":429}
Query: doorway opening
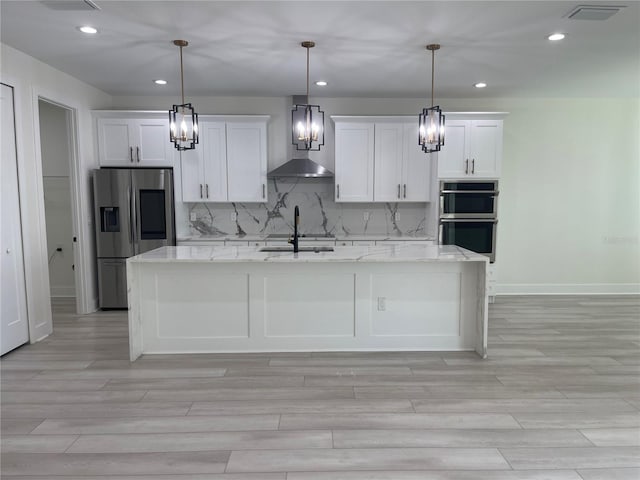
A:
{"x":57,"y":153}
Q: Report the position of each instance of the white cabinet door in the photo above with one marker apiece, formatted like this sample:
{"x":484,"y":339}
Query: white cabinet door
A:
{"x":453,"y":157}
{"x":192,"y":170}
{"x":247,"y":161}
{"x":472,"y":148}
{"x":388,"y":163}
{"x":486,"y":148}
{"x":151,"y":142}
{"x":416,"y":167}
{"x":115,"y":145}
{"x":354,"y":162}
{"x":214,"y":152}
{"x":134,"y":142}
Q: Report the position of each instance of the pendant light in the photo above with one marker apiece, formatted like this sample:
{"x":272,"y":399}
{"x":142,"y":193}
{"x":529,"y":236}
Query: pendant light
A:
{"x":431,"y":120}
{"x":183,"y":120}
{"x":307,"y":121}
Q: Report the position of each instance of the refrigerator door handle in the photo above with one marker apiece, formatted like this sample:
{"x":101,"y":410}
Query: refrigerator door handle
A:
{"x":131,"y":219}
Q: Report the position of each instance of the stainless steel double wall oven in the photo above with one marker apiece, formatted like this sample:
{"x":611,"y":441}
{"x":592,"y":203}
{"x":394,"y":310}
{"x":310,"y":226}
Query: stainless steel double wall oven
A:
{"x":133,"y":214}
{"x":469,"y":215}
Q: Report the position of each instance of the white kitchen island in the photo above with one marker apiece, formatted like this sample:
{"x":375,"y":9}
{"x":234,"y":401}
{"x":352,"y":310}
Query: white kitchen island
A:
{"x":192,"y":299}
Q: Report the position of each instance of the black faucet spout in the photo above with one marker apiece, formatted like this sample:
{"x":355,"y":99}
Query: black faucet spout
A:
{"x":296,"y":223}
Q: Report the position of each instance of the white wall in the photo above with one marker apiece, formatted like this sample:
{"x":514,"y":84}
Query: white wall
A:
{"x":569,"y":218}
{"x":55,"y":148}
{"x":32,"y":78}
{"x":569,"y":208}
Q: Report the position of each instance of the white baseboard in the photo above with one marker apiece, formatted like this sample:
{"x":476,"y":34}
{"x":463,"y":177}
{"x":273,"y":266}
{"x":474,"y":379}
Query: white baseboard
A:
{"x":68,"y":291}
{"x":568,"y":289}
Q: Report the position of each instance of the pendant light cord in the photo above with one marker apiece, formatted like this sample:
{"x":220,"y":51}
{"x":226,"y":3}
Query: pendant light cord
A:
{"x":182,"y":76}
{"x":307,"y":75}
{"x":432,"y":63}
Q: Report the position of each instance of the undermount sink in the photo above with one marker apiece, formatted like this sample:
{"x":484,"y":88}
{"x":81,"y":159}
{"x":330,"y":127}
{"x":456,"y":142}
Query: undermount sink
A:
{"x":316,"y":249}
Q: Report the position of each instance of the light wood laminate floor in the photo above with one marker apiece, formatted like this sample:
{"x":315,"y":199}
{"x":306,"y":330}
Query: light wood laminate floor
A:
{"x":558,"y":399}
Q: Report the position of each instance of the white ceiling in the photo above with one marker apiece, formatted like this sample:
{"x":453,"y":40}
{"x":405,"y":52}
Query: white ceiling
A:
{"x":363,"y":48}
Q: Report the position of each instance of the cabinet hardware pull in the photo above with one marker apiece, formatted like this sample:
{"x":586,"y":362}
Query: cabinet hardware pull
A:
{"x":405,"y":190}
{"x":263,"y":191}
{"x":398,"y":190}
{"x":131,"y":154}
{"x":338,"y":187}
{"x":473,"y":165}
{"x":138,"y":154}
{"x":200,"y":190}
{"x":466,"y":166}
{"x":207,"y":189}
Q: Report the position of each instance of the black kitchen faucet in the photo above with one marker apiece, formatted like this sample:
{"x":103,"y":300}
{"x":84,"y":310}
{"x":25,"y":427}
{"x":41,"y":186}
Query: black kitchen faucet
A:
{"x":296,"y":222}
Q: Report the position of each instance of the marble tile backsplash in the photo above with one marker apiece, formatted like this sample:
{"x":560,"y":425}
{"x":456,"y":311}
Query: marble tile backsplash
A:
{"x":318,"y":213}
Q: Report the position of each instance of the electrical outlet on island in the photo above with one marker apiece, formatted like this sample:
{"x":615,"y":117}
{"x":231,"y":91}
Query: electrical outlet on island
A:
{"x":193,"y":217}
{"x":366,"y":216}
{"x":234,"y":216}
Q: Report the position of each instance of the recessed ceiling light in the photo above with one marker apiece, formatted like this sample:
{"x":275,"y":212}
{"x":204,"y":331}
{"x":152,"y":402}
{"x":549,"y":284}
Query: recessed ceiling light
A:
{"x":87,"y":29}
{"x":480,"y":85}
{"x":556,"y":36}
{"x":321,"y":83}
{"x":160,"y":82}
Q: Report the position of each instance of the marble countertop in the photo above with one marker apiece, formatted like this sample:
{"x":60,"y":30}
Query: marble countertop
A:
{"x":338,"y":237}
{"x":364,"y":254}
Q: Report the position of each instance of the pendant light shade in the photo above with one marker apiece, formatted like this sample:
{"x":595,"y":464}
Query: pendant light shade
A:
{"x":431,"y":120}
{"x":183,"y":120}
{"x":307,"y":121}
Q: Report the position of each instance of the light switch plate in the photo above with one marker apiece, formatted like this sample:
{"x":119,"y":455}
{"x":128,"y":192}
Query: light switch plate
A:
{"x":234,"y":216}
{"x":193,"y":217}
{"x":366,"y":216}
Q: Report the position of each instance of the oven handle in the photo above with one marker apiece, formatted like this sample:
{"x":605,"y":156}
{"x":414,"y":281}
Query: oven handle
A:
{"x":492,"y":192}
{"x":469,"y":220}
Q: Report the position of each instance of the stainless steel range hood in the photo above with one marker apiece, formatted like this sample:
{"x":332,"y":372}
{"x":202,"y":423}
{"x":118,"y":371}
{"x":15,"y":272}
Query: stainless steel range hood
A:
{"x":301,"y":168}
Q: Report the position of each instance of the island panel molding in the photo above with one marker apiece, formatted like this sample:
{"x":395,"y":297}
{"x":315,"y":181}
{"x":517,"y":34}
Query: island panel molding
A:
{"x":203,"y":293}
{"x":358,"y":298}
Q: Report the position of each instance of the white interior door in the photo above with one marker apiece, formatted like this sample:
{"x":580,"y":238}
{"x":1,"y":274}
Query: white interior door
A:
{"x":13,"y":300}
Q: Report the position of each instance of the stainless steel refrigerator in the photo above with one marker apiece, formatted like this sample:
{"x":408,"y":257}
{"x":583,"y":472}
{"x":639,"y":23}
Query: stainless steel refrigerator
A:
{"x":133,"y":214}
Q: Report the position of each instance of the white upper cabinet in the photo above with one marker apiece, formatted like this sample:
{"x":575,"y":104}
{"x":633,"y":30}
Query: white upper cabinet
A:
{"x":472,"y":148}
{"x":388,"y":178}
{"x":416,"y":167}
{"x":230,"y":162}
{"x":486,"y":148}
{"x":378,"y":159}
{"x":247,"y":161}
{"x":135,"y":139}
{"x":401,"y":167}
{"x":206,"y":180}
{"x":354,"y":161}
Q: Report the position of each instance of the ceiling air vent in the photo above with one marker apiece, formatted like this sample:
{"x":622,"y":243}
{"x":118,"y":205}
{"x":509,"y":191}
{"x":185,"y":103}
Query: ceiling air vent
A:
{"x":593,"y":12}
{"x":71,"y":5}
